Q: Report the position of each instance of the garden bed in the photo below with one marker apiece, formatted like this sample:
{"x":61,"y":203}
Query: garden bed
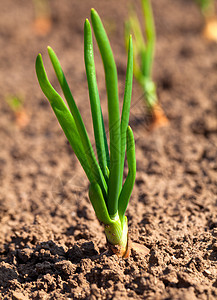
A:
{"x":51,"y":245}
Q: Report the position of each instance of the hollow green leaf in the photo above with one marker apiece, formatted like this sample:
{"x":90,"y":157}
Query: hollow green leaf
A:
{"x":126,"y":105}
{"x":98,"y":124}
{"x":98,"y":202}
{"x":89,"y":153}
{"x":131,"y":176}
{"x":64,"y":116}
{"x":136,"y":66}
{"x":139,"y":43}
{"x":147,"y":58}
{"x":113,"y":111}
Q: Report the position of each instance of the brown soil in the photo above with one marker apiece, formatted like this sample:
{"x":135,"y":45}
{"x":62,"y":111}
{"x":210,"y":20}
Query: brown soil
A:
{"x":51,"y":245}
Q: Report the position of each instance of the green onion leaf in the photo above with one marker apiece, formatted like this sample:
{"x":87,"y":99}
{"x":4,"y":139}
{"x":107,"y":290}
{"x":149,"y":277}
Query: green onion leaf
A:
{"x":113,"y":111}
{"x":126,"y":105}
{"x":64,"y":116}
{"x":131,"y":176}
{"x":98,"y":124}
{"x":147,"y":59}
{"x":93,"y":164}
{"x":98,"y":202}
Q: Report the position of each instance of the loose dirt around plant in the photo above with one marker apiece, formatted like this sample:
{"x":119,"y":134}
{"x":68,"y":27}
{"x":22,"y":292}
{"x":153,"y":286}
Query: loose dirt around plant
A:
{"x":51,"y":245}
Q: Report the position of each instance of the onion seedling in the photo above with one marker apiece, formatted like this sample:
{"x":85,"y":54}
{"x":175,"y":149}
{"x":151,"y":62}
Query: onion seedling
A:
{"x":144,"y":48}
{"x":16,"y":104}
{"x":107,"y":192}
{"x":42,"y":23}
{"x":208,"y":10}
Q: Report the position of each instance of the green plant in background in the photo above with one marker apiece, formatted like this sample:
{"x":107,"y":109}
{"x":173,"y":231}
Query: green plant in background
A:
{"x":42,"y":23}
{"x":16,"y":104}
{"x":107,"y":193}
{"x":207,"y":6}
{"x":208,"y":10}
{"x":144,"y":48}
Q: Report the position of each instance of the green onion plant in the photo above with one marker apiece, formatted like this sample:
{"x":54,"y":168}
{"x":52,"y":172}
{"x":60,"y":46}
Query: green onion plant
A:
{"x":207,"y":8}
{"x":108,"y":193}
{"x":144,"y":48}
{"x":42,"y":23}
{"x":21,"y":115}
{"x":15,"y":103}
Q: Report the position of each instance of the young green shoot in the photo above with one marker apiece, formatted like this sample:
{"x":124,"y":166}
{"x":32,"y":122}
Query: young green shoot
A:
{"x":207,"y":8}
{"x":108,"y":193}
{"x":144,"y":48}
{"x":16,"y":104}
{"x":42,"y":23}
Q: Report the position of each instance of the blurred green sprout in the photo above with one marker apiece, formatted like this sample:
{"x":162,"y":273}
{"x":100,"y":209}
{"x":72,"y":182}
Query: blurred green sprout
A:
{"x":42,"y":8}
{"x":15,"y":102}
{"x":42,"y":24}
{"x":208,"y":10}
{"x":144,"y":49}
{"x":207,"y":6}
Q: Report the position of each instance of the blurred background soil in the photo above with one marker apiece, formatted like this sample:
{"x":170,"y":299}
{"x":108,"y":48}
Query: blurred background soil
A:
{"x":51,"y":245}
